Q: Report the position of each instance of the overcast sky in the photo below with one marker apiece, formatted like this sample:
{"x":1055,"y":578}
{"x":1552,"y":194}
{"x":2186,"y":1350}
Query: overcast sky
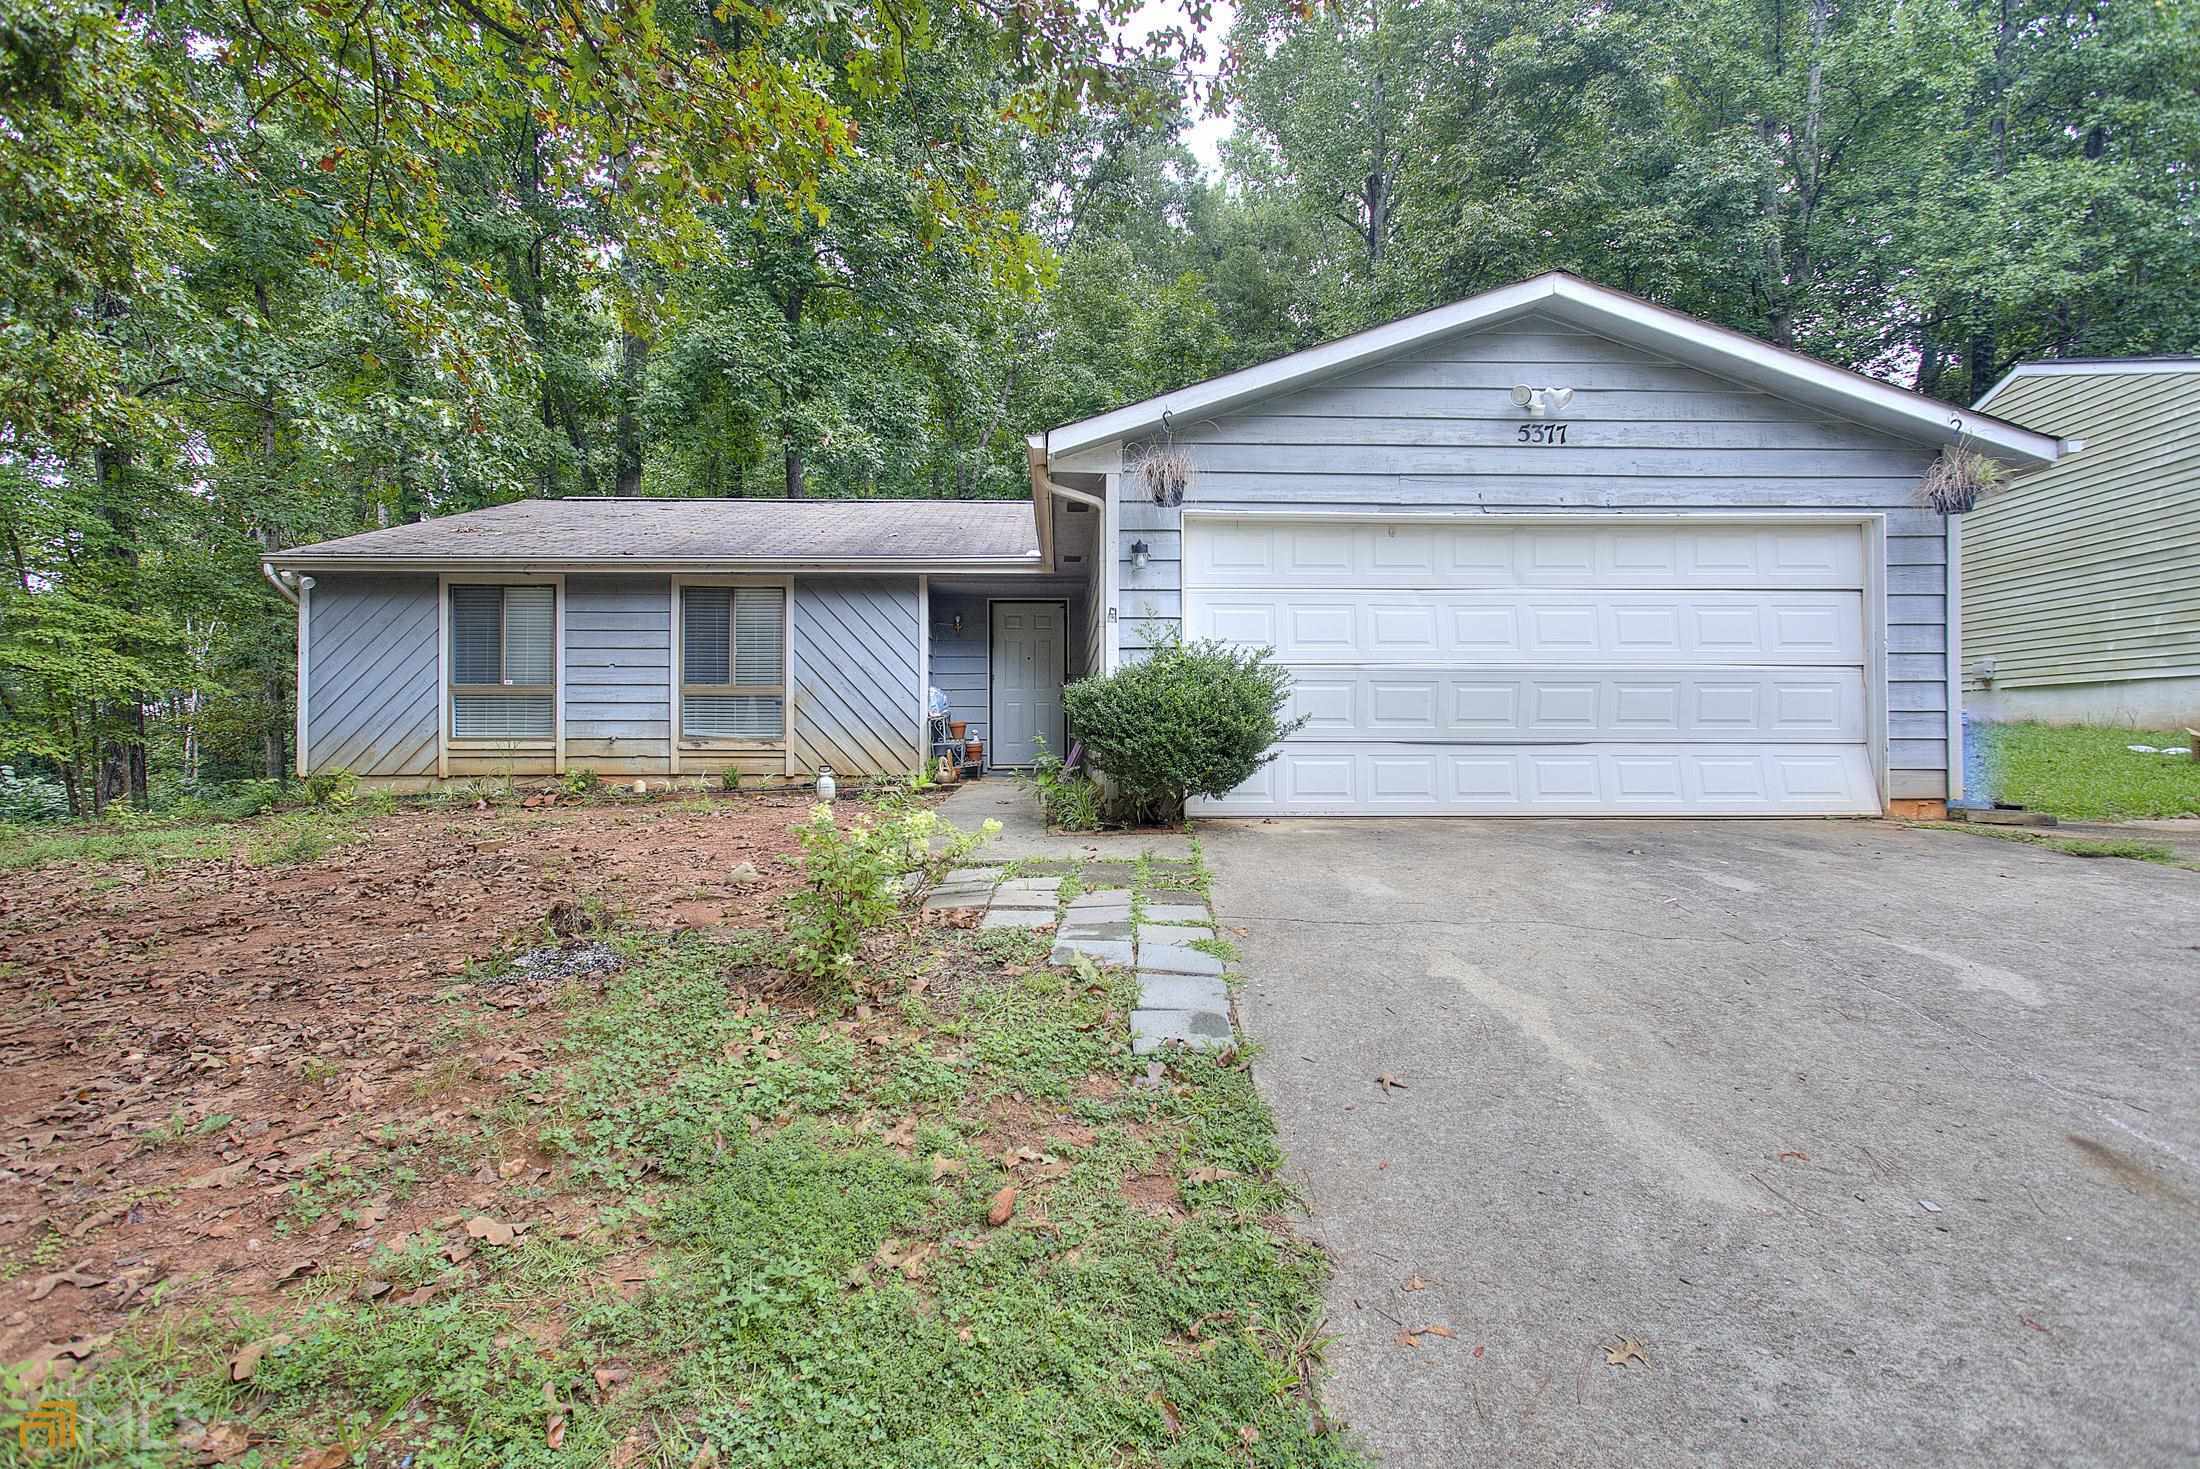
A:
{"x":1205,"y":136}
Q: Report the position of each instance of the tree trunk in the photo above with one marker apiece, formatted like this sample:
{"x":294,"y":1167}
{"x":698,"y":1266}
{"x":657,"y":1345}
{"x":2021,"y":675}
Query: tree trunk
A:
{"x":1378,"y":178}
{"x":791,"y":308}
{"x":122,"y":764}
{"x":633,"y":358}
{"x":272,"y":683}
{"x":1928,"y":360}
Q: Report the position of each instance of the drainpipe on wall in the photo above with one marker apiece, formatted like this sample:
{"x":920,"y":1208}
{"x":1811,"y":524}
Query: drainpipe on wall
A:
{"x":293,"y":588}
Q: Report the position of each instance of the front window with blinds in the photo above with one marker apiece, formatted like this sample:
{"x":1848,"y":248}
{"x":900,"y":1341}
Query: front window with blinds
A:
{"x":503,"y":651}
{"x":733,"y":660}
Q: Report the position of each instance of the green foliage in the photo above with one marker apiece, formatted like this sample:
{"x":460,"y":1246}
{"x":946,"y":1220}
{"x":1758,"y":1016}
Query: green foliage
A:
{"x":582,"y":781}
{"x":334,"y":786}
{"x":155,"y":845}
{"x":28,"y":797}
{"x":1193,"y":719}
{"x":280,"y":273}
{"x":853,"y":881}
{"x":1071,"y":798}
{"x":729,"y":779}
{"x":894,"y":795}
{"x":1934,"y":191}
{"x":2084,"y":773}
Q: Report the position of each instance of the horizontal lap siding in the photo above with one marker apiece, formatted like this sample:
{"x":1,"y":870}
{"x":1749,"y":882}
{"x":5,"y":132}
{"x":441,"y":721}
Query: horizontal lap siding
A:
{"x":958,"y":658}
{"x":2089,"y":571}
{"x":1436,"y":430}
{"x":858,"y":684}
{"x":618,"y":668}
{"x":371,"y":666}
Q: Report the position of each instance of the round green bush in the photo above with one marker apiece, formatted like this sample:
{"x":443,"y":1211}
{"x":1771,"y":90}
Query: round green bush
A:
{"x":1193,"y":719}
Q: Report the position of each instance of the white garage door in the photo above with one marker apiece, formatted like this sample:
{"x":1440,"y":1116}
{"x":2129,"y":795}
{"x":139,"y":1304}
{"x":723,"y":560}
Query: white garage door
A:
{"x":1647,"y":669}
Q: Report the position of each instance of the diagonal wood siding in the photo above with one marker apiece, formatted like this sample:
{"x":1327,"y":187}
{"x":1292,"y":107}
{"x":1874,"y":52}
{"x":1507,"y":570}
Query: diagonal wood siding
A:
{"x":370,"y":675}
{"x":858,"y":686}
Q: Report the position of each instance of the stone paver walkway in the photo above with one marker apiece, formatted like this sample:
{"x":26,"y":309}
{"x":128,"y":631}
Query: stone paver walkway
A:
{"x":1182,"y":998}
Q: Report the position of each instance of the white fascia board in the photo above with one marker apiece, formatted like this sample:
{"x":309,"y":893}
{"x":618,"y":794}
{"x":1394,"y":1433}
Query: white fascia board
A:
{"x":1030,"y":565}
{"x":2132,"y":367}
{"x":1795,"y":377}
{"x":1714,"y":349}
{"x":1219,"y":394}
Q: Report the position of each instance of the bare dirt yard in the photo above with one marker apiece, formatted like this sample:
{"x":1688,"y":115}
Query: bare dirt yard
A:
{"x":197,"y":1059}
{"x":437,"y":1136}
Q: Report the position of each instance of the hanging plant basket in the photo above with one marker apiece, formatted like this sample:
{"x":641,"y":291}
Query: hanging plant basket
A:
{"x":1959,"y":479}
{"x":1165,"y":474}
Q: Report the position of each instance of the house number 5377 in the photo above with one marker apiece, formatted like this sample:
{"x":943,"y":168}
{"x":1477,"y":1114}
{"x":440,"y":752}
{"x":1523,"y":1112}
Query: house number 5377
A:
{"x":1543,"y":433}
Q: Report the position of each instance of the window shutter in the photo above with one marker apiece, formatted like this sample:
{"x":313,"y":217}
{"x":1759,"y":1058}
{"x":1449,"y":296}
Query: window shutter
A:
{"x":477,"y":616}
{"x":760,"y":627}
{"x":704,"y":635}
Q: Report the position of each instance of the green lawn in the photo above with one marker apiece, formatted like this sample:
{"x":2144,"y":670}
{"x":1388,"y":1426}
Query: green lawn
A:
{"x":2084,"y":773}
{"x":773,"y":1234}
{"x":153,"y":844}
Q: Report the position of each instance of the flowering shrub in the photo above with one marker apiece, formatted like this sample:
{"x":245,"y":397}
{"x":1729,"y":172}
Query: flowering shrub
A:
{"x":855,"y":879}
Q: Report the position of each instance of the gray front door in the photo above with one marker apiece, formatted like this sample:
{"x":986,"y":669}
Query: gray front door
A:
{"x":1030,"y":648}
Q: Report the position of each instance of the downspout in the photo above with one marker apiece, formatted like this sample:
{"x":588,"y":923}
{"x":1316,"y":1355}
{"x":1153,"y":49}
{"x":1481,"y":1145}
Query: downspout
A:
{"x":1043,"y":491}
{"x":294,"y":589}
{"x":1080,"y":496}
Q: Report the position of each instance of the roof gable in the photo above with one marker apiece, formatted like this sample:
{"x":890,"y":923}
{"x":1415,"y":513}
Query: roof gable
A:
{"x":1619,"y":317}
{"x":2079,"y":379}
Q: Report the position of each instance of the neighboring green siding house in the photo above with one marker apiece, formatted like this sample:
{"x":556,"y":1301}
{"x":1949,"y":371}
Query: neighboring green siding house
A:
{"x":2081,"y":582}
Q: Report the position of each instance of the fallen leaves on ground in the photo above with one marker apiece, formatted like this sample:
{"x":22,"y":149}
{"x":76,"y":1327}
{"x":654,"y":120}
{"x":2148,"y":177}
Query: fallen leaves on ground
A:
{"x":201,"y":1037}
{"x":1411,"y":1336}
{"x":1004,"y":1204}
{"x":75,"y":1275}
{"x":1388,"y":1083}
{"x":1629,"y":1350}
{"x":216,"y":1443}
{"x":247,"y":1360}
{"x":490,"y":1231}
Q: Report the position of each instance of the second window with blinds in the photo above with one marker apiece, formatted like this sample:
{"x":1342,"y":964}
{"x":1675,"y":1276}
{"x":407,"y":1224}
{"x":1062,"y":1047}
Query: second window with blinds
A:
{"x":502,"y":656}
{"x":733,"y":662}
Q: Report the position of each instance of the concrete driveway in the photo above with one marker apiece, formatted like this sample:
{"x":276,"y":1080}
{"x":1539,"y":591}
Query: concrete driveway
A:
{"x":1884,"y":1144}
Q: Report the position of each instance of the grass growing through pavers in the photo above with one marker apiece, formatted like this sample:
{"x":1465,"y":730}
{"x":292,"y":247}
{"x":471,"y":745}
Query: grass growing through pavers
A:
{"x":784,"y":1251}
{"x":2085,"y":773}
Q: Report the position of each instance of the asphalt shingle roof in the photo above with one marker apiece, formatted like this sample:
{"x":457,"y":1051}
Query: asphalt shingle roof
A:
{"x":649,"y":532}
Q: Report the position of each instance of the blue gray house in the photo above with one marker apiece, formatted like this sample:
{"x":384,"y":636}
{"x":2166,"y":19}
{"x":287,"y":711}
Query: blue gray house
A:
{"x":1549,"y":550}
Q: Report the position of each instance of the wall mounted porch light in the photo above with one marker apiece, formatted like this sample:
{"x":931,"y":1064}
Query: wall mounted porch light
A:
{"x":1541,"y":401}
{"x":1139,"y":552}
